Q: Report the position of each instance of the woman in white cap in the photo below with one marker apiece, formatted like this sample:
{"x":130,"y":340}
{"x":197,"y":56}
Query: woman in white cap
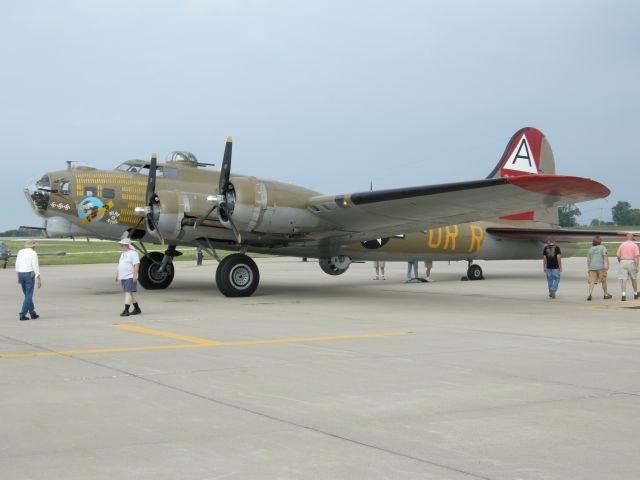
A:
{"x":127,"y":274}
{"x":28,"y":270}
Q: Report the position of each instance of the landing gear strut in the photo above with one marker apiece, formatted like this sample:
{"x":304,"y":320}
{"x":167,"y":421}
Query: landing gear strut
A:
{"x":474,"y":272}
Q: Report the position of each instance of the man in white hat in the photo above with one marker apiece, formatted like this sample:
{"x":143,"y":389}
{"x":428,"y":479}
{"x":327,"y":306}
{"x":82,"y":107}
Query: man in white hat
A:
{"x":28,"y":270}
{"x":127,"y":275}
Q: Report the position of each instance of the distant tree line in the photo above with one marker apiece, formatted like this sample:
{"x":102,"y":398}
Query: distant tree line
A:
{"x":622,"y":214}
{"x":22,"y":233}
{"x":567,"y":215}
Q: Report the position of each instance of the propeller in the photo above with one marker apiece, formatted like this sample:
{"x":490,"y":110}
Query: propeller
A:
{"x":226,"y":191}
{"x":151,"y":200}
{"x":225,"y":200}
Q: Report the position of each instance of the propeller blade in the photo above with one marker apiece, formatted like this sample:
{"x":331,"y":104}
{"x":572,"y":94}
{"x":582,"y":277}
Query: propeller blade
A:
{"x":150,"y":196}
{"x":202,"y":218}
{"x":225,"y":170}
{"x":225,"y":189}
{"x":235,"y":231}
{"x":151,"y":182}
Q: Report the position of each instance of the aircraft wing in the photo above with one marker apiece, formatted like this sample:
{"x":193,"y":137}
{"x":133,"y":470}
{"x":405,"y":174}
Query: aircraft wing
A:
{"x":559,"y":234}
{"x":382,"y":213}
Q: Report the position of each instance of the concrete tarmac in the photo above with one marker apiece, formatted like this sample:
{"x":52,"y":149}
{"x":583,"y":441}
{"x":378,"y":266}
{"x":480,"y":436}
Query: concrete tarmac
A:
{"x":320,"y":377}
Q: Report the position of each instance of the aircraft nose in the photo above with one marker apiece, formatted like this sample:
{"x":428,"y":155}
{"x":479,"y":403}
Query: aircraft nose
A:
{"x":38,"y":193}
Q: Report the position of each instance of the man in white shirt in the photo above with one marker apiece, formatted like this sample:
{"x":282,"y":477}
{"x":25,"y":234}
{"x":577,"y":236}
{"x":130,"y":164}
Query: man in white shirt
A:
{"x":28,"y":271}
{"x":128,"y":267}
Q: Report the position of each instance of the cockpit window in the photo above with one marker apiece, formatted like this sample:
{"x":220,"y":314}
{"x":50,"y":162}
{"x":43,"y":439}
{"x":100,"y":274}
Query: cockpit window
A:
{"x":182,"y":157}
{"x":90,"y":191}
{"x":140,"y":166}
{"x":65,"y":188}
{"x":170,"y":172}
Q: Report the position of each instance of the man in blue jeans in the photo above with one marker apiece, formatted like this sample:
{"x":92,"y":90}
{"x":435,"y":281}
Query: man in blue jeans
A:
{"x":552,"y":265}
{"x":28,"y":271}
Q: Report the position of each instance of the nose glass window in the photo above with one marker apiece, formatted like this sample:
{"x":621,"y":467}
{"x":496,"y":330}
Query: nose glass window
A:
{"x":40,"y":192}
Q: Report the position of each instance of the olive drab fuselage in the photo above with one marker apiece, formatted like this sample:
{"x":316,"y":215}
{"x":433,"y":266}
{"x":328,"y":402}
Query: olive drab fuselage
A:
{"x":102,"y":203}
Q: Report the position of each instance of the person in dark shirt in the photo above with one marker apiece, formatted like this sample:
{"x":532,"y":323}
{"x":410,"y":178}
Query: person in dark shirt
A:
{"x":552,"y":265}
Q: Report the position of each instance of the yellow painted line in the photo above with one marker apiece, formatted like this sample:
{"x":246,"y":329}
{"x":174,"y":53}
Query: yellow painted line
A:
{"x":207,"y":342}
{"x":98,"y":350}
{"x":313,"y":339}
{"x":195,"y":342}
{"x":616,"y":305}
{"x":159,"y":333}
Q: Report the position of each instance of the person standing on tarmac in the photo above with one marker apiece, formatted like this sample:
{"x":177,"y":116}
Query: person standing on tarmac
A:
{"x":28,"y":270}
{"x":379,"y":266}
{"x":628,"y":256}
{"x":412,"y":265}
{"x":127,"y":274}
{"x":598,"y":265}
{"x":428,"y":265}
{"x":552,"y":265}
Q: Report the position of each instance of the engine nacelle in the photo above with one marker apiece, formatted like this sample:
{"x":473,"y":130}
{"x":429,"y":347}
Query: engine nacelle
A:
{"x":335,"y":265}
{"x":268,"y":207}
{"x":168,"y":212}
{"x":245,"y":201}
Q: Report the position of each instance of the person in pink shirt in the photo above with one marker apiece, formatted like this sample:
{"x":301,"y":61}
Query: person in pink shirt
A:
{"x":628,"y":257}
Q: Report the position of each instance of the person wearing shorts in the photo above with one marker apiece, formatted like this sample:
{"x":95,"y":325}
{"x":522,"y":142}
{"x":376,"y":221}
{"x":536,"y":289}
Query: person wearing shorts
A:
{"x":597,"y":266}
{"x":628,"y":256}
{"x":428,"y":265}
{"x":127,"y":275}
{"x":379,"y":266}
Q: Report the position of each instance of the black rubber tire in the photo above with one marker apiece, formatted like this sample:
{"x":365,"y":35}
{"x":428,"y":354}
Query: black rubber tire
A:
{"x":148,"y":275}
{"x":331,"y":269}
{"x":474,"y":272}
{"x":237,"y":276}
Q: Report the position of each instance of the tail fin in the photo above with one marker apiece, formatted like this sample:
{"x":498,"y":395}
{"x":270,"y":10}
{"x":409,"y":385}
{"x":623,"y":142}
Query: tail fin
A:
{"x":528,"y":153}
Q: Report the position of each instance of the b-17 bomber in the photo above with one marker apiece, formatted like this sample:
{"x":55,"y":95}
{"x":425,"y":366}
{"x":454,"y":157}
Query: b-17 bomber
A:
{"x":185,"y":203}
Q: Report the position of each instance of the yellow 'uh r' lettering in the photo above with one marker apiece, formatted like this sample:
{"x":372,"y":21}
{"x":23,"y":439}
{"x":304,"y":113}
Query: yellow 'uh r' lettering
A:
{"x":477,"y":235}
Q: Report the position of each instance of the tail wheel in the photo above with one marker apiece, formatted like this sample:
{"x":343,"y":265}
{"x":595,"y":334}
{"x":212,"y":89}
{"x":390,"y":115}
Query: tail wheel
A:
{"x":474,"y":272}
{"x":237,"y":276}
{"x":150,"y":276}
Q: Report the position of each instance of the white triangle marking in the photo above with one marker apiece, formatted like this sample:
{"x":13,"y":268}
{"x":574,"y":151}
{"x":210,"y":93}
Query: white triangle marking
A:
{"x":521,"y":159}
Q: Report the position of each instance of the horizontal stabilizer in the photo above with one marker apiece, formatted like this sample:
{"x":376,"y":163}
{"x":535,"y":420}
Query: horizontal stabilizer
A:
{"x":559,"y":234}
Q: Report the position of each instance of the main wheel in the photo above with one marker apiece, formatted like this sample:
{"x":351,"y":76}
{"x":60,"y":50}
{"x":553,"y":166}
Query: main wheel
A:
{"x":237,"y":276}
{"x":334,"y":265}
{"x":474,"y":272}
{"x":150,"y":276}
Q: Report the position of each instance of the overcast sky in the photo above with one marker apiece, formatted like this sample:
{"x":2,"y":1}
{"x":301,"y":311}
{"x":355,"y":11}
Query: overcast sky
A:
{"x":330,"y":95}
